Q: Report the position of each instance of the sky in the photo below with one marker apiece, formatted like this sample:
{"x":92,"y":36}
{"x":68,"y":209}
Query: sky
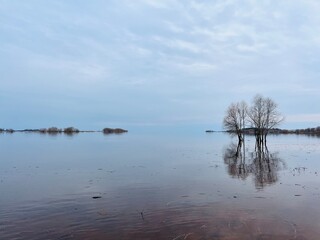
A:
{"x":156,"y":63}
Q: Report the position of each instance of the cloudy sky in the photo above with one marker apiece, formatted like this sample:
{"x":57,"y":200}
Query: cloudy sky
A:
{"x":136,"y":63}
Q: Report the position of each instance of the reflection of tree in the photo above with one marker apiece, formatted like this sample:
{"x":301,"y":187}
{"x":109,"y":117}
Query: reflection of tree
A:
{"x":234,"y":157}
{"x":260,"y":163}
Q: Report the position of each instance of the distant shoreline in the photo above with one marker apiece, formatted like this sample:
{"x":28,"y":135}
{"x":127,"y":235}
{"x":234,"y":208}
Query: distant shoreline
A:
{"x":68,"y":130}
{"x":274,"y":131}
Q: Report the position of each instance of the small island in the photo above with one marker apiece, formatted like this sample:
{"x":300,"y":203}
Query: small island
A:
{"x":114,"y":130}
{"x":68,"y":130}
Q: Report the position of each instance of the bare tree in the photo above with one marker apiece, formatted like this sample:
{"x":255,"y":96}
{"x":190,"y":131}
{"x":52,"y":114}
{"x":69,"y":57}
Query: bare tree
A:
{"x":235,"y":119}
{"x":263,"y":116}
{"x":242,"y":108}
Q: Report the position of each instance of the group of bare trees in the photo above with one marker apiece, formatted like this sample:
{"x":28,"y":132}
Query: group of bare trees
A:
{"x":260,"y":117}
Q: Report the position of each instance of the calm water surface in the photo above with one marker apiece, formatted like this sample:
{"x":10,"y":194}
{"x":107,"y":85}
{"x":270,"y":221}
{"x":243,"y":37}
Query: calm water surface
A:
{"x":158,"y":186}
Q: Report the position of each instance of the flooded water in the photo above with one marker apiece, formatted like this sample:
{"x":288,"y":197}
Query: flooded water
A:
{"x":158,"y":186}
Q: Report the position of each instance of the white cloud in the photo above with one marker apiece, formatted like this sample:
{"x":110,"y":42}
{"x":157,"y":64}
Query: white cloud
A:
{"x":253,"y":48}
{"x":174,"y":27}
{"x":178,"y":44}
{"x":224,"y":48}
{"x":79,"y":70}
{"x":156,"y":3}
{"x":196,"y":67}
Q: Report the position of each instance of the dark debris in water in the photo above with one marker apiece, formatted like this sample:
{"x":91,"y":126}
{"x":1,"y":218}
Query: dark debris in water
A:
{"x":96,"y":197}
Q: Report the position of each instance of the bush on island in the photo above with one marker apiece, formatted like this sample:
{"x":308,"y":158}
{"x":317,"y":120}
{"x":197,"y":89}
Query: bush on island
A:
{"x":114,"y":130}
{"x":53,"y":130}
{"x":71,"y":130}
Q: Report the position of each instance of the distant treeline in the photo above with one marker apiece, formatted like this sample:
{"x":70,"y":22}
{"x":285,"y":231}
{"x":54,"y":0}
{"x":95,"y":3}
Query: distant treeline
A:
{"x":68,"y":130}
{"x":306,"y":131}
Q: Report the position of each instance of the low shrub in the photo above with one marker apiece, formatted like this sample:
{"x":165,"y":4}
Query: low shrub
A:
{"x":114,"y":130}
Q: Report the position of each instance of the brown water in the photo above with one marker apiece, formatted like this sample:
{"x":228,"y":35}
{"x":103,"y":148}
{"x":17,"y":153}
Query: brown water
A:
{"x":160,"y":186}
